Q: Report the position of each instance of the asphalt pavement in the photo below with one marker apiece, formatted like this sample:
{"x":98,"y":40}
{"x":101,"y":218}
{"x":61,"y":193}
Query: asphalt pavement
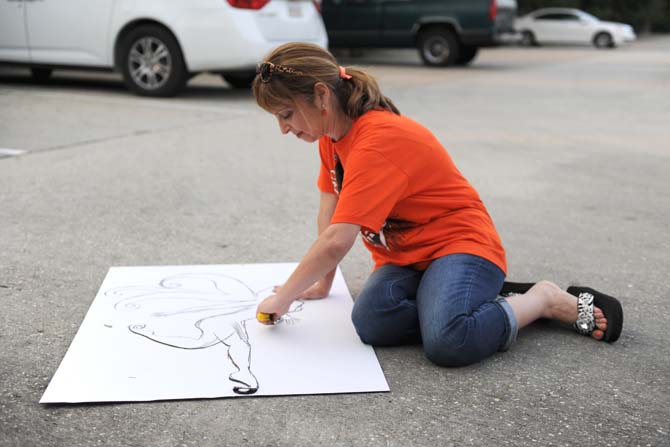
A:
{"x":568,"y":148}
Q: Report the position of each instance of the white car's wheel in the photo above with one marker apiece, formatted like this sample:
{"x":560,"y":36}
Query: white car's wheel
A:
{"x":528,"y":39}
{"x":152,"y":63}
{"x":603,"y":40}
{"x":239,"y":80}
{"x":41,"y":74}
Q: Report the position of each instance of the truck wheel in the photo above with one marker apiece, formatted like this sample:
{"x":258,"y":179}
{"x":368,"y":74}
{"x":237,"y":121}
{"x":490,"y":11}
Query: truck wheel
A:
{"x":152,"y":63}
{"x":466,"y":54}
{"x":41,"y":74}
{"x":603,"y":40}
{"x":438,"y":47}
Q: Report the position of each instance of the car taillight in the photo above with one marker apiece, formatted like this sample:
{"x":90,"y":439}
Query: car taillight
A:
{"x":493,"y":10}
{"x":248,"y":4}
{"x":317,"y":4}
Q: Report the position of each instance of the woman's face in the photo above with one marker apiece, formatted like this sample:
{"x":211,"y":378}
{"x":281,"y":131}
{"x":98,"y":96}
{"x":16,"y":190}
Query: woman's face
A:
{"x":302,"y":119}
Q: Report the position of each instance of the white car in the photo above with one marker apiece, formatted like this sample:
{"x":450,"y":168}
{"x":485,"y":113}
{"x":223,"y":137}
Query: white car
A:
{"x":156,"y":45}
{"x":571,"y":26}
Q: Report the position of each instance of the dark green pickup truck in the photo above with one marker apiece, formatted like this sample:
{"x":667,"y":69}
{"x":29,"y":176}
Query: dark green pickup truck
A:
{"x":446,"y":32}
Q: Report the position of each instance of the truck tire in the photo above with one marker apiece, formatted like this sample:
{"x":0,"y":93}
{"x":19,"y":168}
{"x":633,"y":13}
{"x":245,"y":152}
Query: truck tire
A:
{"x":151,"y":62}
{"x":466,"y":54}
{"x":438,"y":47}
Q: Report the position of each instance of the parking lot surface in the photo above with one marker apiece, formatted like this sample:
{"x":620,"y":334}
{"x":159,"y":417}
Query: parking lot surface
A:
{"x":568,"y":148}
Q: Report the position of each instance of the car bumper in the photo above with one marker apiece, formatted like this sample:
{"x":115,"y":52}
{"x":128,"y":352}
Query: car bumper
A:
{"x":625,"y":38}
{"x":217,"y":40}
{"x":508,"y":38}
{"x":211,"y":53}
{"x":479,"y":38}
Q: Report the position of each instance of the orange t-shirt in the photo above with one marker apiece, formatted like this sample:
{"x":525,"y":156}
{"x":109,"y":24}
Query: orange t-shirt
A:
{"x":397,"y":182}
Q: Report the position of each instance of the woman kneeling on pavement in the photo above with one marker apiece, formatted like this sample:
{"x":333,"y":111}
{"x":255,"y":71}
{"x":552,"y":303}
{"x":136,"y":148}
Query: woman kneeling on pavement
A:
{"x":439,"y":262}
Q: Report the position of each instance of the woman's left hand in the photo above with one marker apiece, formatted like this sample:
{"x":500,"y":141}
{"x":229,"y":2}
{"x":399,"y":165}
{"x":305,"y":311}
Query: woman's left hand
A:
{"x":274,"y":306}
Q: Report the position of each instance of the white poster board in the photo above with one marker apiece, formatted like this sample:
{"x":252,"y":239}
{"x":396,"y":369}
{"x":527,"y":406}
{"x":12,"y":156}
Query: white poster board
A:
{"x":182,"y":332}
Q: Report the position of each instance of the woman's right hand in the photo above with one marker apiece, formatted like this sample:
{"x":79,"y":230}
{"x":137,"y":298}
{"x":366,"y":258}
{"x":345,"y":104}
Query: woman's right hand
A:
{"x":273,"y":306}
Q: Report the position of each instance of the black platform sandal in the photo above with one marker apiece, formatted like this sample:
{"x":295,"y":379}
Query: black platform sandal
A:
{"x":587,"y":298}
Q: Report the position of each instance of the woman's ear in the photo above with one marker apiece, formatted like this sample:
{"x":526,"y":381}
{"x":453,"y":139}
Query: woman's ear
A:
{"x":321,"y":94}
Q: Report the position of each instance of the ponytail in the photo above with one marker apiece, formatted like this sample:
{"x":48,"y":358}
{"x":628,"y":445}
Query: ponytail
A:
{"x":361,"y":94}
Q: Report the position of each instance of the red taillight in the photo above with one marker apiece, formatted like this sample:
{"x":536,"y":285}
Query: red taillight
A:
{"x":317,"y":4}
{"x":493,"y":10}
{"x":248,"y":4}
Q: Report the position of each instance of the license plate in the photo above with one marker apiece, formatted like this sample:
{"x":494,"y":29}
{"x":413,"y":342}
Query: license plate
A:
{"x":294,"y":10}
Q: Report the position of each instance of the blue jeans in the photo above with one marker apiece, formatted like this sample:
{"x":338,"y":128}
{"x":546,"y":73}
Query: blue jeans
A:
{"x":452,"y":307}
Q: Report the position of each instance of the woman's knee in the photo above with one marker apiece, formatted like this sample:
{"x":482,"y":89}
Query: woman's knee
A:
{"x":453,"y":347}
{"x":450,"y":354}
{"x":358,"y":318}
{"x":367,"y":326}
{"x":384,"y":327}
{"x":362,"y":316}
{"x":369,"y":333}
{"x":383,"y":313}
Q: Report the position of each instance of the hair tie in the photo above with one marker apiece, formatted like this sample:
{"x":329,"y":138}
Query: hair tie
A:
{"x":343,"y":73}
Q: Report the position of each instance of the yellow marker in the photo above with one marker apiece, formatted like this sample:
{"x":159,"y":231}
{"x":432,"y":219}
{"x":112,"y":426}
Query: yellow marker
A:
{"x":264,"y":318}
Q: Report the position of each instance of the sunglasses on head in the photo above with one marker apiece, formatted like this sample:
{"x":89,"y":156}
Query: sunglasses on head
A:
{"x":266,"y":69}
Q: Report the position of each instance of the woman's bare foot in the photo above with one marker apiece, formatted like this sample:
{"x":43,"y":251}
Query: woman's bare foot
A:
{"x":563,"y":307}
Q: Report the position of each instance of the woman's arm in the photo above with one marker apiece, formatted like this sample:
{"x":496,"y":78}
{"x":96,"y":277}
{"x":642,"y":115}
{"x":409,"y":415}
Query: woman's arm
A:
{"x":321,"y":288}
{"x":321,"y":259}
{"x":326,"y":210}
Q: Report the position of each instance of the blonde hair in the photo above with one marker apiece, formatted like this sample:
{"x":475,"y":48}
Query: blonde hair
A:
{"x":313,"y":64}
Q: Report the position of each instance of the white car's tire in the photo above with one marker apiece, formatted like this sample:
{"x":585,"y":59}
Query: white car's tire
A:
{"x":528,"y":39}
{"x":152,"y":62}
{"x":239,"y":80}
{"x":41,"y":74}
{"x":603,"y":40}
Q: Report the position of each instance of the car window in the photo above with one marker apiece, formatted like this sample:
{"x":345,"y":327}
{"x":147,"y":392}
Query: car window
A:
{"x":545,"y":17}
{"x":570,"y":17}
{"x":556,"y":16}
{"x":588,"y":17}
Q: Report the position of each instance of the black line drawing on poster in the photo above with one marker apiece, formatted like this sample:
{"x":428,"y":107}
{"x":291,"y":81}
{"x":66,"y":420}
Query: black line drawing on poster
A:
{"x":199,"y":311}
